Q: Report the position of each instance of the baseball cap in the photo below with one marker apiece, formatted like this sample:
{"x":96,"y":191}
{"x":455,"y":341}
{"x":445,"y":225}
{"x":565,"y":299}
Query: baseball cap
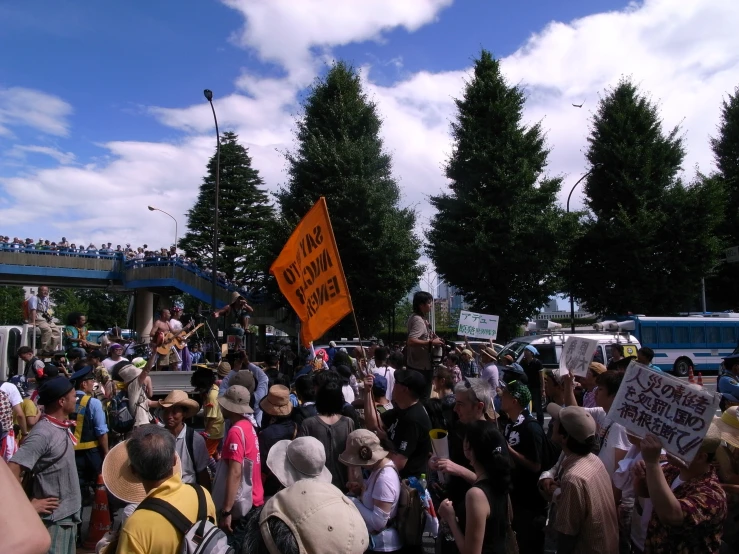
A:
{"x":412,"y":379}
{"x":320,"y":518}
{"x":597,"y":368}
{"x":531,"y":348}
{"x":379,"y":383}
{"x":578,"y":423}
{"x":517,"y":390}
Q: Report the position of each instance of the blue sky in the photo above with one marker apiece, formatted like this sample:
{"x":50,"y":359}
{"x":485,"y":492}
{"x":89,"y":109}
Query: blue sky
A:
{"x":102,"y":113}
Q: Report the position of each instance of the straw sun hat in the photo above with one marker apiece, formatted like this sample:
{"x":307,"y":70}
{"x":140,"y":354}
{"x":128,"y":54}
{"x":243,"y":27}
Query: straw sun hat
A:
{"x":180,"y":398}
{"x":728,"y":425}
{"x":120,"y":480}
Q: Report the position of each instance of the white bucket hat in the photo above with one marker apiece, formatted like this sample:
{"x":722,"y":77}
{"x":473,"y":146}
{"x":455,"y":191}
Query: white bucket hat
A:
{"x":294,"y":460}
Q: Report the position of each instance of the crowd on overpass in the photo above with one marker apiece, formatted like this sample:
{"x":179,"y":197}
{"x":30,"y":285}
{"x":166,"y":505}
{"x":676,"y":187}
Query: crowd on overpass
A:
{"x":134,"y":256}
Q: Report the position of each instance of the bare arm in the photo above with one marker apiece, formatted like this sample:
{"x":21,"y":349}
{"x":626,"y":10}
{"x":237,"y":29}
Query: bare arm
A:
{"x":233,"y":480}
{"x":20,"y":527}
{"x":666,"y":505}
{"x":103,"y":442}
{"x":569,"y":390}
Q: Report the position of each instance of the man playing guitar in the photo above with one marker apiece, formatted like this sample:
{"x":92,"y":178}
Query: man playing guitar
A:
{"x":163,"y":330}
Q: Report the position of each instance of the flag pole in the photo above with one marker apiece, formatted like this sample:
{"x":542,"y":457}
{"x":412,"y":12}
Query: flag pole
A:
{"x":341,"y":268}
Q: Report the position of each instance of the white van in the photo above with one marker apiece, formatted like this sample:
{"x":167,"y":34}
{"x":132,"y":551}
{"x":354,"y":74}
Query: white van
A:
{"x":12,"y":337}
{"x":550,"y":345}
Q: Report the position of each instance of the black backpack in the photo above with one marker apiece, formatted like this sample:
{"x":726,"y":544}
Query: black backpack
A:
{"x":549,"y":451}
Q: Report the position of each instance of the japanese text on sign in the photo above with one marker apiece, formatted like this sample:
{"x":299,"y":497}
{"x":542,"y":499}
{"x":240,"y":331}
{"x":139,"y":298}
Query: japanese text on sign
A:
{"x":481,"y":326}
{"x":577,"y":353}
{"x":653,"y":402}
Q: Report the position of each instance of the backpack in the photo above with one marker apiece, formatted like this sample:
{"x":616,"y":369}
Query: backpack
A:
{"x":549,"y":451}
{"x":411,"y":516}
{"x":200,"y":537}
{"x":120,"y":419}
{"x":189,"y":443}
{"x":6,"y":414}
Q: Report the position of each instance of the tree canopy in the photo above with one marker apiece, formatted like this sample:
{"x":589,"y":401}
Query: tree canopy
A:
{"x":339,"y":154}
{"x":498,"y":235}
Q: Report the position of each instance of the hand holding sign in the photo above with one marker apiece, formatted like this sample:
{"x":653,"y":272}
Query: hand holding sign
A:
{"x":654,"y":405}
{"x":577,"y":353}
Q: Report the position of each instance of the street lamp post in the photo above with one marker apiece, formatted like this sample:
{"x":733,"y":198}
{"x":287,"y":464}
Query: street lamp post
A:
{"x":153,"y":209}
{"x":572,"y":300}
{"x":209,"y":97}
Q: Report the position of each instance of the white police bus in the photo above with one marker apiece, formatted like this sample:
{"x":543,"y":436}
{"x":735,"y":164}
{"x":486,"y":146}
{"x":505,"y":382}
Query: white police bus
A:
{"x":701,"y":341}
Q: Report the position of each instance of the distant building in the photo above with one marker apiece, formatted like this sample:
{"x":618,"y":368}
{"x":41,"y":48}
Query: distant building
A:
{"x":552,"y":306}
{"x":449,"y":293}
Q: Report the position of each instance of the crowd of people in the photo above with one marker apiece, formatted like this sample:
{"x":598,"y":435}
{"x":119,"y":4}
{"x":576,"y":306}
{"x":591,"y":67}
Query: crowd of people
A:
{"x":134,"y":256}
{"x":324,"y":458}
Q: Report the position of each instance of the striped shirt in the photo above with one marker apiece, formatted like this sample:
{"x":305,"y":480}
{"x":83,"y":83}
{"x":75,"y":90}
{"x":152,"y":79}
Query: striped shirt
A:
{"x":586,"y":508}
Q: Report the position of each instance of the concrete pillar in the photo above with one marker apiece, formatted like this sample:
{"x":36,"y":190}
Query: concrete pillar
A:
{"x":144,"y":314}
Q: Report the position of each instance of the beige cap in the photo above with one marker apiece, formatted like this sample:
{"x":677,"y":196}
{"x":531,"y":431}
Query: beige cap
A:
{"x":597,"y":368}
{"x":362,"y":449}
{"x":277,"y":402}
{"x":236,"y":400}
{"x":224,"y":368}
{"x":578,"y":423}
{"x":320,"y":517}
{"x":245,"y":378}
{"x":129,"y":373}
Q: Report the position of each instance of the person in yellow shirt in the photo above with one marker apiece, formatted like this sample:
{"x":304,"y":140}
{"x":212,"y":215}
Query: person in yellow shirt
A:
{"x":145,"y":467}
{"x":204,"y":383}
{"x":30,"y":410}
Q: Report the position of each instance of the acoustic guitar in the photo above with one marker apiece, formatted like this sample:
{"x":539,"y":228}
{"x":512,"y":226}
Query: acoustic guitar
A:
{"x":177,"y":340}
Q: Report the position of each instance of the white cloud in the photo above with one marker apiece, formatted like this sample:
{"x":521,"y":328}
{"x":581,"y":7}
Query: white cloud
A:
{"x":685,"y":54}
{"x":20,"y":151}
{"x":23,"y":107}
{"x":286,"y":32}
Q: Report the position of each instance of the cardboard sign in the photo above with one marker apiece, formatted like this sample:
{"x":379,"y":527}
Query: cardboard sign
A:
{"x":479,"y":326}
{"x":309,"y":274}
{"x":577,"y":353}
{"x":652,"y":402}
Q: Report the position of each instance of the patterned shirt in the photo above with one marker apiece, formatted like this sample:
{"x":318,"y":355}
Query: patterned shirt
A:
{"x":585,"y":506}
{"x":703,"y":503}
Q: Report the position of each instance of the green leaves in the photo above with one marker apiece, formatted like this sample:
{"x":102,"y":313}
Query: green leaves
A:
{"x":246,"y":217}
{"x":340,"y":155}
{"x":648,"y":238}
{"x":498,"y":236}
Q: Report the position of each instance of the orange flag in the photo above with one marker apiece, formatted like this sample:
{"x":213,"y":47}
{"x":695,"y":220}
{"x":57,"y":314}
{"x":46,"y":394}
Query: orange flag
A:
{"x":309,"y":273}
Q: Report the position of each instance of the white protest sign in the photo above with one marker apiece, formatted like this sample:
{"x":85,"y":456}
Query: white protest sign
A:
{"x":577,"y":353}
{"x":652,"y":402}
{"x":479,"y":326}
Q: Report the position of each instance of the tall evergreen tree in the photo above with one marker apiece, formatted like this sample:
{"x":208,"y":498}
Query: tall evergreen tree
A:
{"x":648,"y":239}
{"x":723,"y":290}
{"x":244,"y":212}
{"x":498,"y":236}
{"x":340,"y":155}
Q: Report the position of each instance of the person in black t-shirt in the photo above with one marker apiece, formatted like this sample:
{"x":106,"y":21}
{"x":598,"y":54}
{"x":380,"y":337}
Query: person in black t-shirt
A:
{"x":407,"y":425}
{"x":533,"y":368}
{"x":525,"y":439}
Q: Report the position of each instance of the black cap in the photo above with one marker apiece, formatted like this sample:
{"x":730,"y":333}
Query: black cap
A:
{"x":733,"y":359}
{"x":80,"y":374}
{"x":412,"y":379}
{"x":53,"y":389}
{"x":50,"y":371}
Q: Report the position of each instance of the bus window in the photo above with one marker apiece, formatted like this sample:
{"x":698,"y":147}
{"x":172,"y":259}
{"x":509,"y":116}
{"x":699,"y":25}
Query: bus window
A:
{"x":648,"y":335}
{"x":727,"y":335}
{"x":665,"y":335}
{"x":713,"y":334}
{"x":697,"y":334}
{"x":682,"y":335}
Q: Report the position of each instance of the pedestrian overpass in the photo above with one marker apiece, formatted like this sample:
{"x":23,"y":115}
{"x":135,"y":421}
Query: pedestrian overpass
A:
{"x":144,"y":278}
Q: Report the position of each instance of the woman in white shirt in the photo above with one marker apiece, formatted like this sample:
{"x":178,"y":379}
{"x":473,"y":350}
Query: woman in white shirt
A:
{"x":377,"y":498}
